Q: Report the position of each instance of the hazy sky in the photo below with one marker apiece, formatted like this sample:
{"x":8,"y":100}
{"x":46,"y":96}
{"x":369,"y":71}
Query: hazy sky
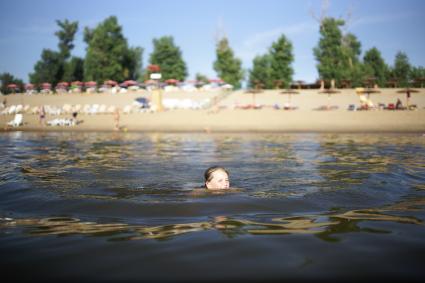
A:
{"x":26,"y":27}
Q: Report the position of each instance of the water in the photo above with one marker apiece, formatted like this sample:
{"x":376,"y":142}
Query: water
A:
{"x":114,"y":206}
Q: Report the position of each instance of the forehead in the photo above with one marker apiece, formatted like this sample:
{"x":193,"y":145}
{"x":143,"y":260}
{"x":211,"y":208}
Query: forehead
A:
{"x":219,"y":174}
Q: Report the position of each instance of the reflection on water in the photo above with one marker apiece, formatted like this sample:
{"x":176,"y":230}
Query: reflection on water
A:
{"x":323,"y":225}
{"x":327,"y":203}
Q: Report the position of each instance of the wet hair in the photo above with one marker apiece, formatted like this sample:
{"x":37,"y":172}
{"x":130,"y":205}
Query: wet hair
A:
{"x":208,"y":175}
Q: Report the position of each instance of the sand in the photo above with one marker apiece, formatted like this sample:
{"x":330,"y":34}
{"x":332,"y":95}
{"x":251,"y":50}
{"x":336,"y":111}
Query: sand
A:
{"x":226,"y":117}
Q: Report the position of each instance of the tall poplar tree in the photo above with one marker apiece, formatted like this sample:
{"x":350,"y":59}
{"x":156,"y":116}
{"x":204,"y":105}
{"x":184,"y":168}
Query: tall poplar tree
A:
{"x":169,"y":57}
{"x":261,"y":71}
{"x":374,"y":62}
{"x":402,"y":68}
{"x":227,"y":66}
{"x":53,"y":65}
{"x":328,"y":53}
{"x":281,"y":60}
{"x":108,"y":55}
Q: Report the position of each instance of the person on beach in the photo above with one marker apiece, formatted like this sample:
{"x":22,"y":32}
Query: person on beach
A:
{"x":216,"y":178}
{"x":42,"y":116}
{"x":399,"y":105}
{"x":117,"y":119}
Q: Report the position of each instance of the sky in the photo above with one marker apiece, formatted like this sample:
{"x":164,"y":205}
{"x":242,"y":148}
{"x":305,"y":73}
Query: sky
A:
{"x":251,"y":26}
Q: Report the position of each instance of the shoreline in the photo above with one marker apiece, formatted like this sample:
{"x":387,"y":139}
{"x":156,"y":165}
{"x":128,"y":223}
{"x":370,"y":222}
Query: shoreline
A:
{"x":224,"y":118}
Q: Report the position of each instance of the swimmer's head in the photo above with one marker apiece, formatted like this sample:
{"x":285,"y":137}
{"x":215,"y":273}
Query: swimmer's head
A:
{"x":216,"y":178}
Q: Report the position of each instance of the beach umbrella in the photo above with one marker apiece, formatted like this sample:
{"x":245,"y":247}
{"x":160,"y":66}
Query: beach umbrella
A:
{"x":369,"y":82}
{"x":329,"y":92}
{"x":154,"y":68}
{"x":63,"y":83}
{"x":408,"y":91}
{"x":12,"y":86}
{"x":257,"y":89}
{"x":370,"y":90}
{"x":150,"y":82}
{"x":29,"y":86}
{"x":46,"y":86}
{"x":278,"y":83}
{"x":289,"y":92}
{"x":172,"y":81}
{"x":217,"y":81}
{"x":131,"y":83}
{"x":110,"y":82}
{"x":419,"y":81}
{"x":90,"y":84}
{"x":299,"y":84}
{"x":346,"y":83}
{"x":77,"y":83}
{"x":392,"y":82}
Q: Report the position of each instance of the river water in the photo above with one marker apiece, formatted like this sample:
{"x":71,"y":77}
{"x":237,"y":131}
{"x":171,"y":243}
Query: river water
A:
{"x":123,"y":206}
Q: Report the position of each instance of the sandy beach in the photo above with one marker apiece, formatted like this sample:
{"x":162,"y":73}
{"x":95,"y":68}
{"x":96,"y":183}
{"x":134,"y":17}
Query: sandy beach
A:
{"x":227,"y":114}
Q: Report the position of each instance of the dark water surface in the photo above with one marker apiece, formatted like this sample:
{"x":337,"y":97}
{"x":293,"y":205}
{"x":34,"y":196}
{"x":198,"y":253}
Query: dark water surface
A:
{"x":115,"y":206}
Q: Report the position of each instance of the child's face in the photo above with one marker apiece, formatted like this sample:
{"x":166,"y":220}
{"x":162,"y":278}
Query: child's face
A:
{"x":220,"y":180}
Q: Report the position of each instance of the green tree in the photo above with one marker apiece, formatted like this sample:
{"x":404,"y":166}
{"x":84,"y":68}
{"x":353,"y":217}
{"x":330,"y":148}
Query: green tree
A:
{"x":281,"y":59}
{"x":227,"y":66}
{"x":169,"y":57}
{"x":352,"y":48}
{"x":53,"y":65}
{"x":133,"y":63}
{"x":417,"y":74}
{"x":74,"y":70}
{"x":108,"y":55}
{"x":49,"y":69}
{"x":353,"y":68}
{"x":375,"y":63}
{"x":200,"y":79}
{"x":329,"y":53}
{"x":402,"y":68}
{"x":66,"y":37}
{"x":261,"y":71}
{"x":6,"y":79}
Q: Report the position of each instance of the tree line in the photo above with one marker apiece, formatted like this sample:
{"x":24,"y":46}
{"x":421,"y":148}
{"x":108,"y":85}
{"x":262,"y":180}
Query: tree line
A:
{"x":109,"y":57}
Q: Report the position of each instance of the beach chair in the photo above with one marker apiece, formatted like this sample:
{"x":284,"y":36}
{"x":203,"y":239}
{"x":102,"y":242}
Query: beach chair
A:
{"x":94,"y":109}
{"x":111,"y":109}
{"x":127,"y":109}
{"x":351,"y":107}
{"x":17,"y":121}
{"x":102,"y":108}
{"x":12,"y":109}
{"x":19,"y":108}
{"x":391,"y":106}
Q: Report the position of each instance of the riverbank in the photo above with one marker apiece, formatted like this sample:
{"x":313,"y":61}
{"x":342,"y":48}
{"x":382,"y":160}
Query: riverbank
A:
{"x":230,"y":113}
